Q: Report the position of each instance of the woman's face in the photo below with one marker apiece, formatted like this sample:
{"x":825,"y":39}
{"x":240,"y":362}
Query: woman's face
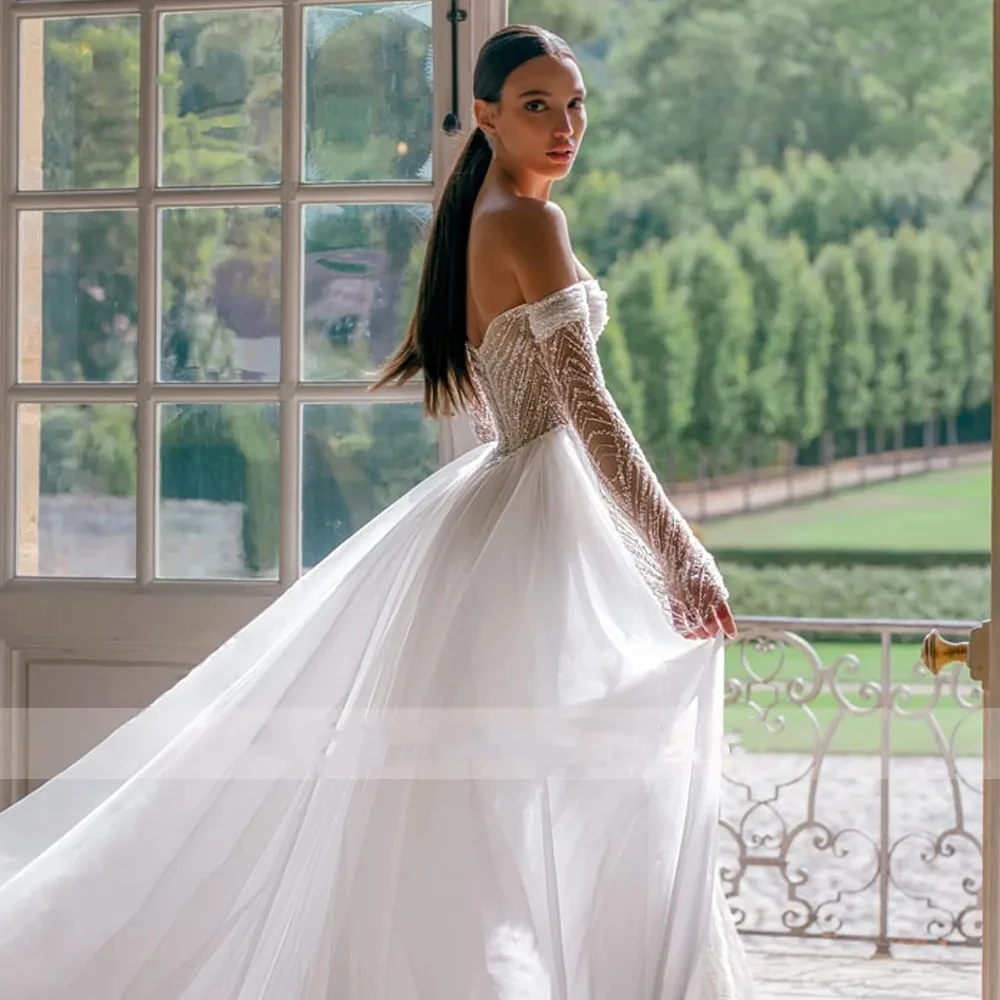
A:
{"x":541,"y":117}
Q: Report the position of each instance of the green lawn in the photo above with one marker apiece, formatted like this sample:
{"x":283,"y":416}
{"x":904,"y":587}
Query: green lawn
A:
{"x":949,"y":511}
{"x":794,"y":663}
{"x":789,"y":728}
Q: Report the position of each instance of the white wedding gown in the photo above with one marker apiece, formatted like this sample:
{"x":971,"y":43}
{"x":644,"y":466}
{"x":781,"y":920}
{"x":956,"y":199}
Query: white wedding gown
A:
{"x":467,"y":757}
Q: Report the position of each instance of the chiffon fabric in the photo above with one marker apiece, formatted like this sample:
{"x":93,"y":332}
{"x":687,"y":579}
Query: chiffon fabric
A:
{"x":467,"y":757}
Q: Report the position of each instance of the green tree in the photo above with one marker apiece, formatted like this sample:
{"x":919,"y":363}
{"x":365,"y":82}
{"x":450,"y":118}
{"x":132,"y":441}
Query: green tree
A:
{"x":368,"y":95}
{"x":221,"y":97}
{"x":923,"y":64}
{"x":849,"y":369}
{"x":948,"y":288}
{"x":911,"y":286}
{"x":611,"y":218}
{"x":809,"y":349}
{"x":767,"y":265}
{"x":578,"y":21}
{"x":721,"y":306}
{"x":719,"y":78}
{"x":871,"y":258}
{"x":975,"y":371}
{"x":661,"y":341}
{"x":90,"y":128}
{"x":693,"y":76}
{"x":620,"y":377}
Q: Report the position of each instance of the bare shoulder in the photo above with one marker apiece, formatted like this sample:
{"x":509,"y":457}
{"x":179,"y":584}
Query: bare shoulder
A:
{"x":533,"y":239}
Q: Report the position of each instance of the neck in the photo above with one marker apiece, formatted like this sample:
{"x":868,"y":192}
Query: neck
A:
{"x":521,"y":182}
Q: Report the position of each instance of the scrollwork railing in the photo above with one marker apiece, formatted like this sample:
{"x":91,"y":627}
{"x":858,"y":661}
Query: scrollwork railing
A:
{"x":852,"y":793}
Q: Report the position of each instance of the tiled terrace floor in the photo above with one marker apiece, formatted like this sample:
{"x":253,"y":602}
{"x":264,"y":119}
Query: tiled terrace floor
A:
{"x":835,"y":976}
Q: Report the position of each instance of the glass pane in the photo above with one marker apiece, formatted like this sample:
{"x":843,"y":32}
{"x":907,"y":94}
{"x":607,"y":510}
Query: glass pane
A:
{"x":76,"y":490}
{"x":220,"y":294}
{"x":219,"y":489}
{"x":360,"y":278}
{"x":369,"y":92}
{"x":79,"y":103}
{"x":357,"y":458}
{"x":78,"y":296}
{"x":221,"y":97}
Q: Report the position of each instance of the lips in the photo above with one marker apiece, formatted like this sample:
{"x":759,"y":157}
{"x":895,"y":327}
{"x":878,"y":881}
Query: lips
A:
{"x":560,"y":155}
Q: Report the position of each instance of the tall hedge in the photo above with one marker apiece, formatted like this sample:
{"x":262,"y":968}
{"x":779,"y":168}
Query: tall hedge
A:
{"x":849,"y":368}
{"x":721,"y":305}
{"x":885,"y":323}
{"x":659,"y":331}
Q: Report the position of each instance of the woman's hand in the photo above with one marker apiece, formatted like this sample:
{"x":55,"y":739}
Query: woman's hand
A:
{"x":718,"y":621}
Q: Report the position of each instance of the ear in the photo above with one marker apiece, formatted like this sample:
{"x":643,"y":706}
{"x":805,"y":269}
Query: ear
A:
{"x":485,"y":113}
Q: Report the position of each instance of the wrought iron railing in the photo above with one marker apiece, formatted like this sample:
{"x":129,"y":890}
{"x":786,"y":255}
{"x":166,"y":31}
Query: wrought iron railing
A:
{"x":852,"y":794}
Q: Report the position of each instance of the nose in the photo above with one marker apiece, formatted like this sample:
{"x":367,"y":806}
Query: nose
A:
{"x":563,"y":128}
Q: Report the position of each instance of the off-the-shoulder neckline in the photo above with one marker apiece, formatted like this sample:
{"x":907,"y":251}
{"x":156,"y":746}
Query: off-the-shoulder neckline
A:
{"x":525,"y":306}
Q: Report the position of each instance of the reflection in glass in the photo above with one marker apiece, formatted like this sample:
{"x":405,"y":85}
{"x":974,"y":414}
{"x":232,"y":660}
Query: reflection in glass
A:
{"x":76,"y":478}
{"x":77,"y":296}
{"x":368,"y":92}
{"x":221,"y":94}
{"x":78,"y":103}
{"x":361,"y":272}
{"x":220,"y":294}
{"x":219,"y":491}
{"x":357,"y":459}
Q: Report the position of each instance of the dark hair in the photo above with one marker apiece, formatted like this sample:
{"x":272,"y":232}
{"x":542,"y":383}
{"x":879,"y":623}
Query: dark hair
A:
{"x":435,"y":341}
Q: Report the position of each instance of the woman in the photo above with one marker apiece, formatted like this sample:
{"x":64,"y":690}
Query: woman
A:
{"x":475,"y":752}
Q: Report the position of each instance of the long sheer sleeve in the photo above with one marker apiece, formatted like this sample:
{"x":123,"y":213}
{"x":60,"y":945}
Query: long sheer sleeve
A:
{"x":560,"y":324}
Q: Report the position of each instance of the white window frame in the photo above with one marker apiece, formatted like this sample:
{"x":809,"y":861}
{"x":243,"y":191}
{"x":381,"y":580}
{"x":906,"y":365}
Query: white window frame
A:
{"x":290,"y":392}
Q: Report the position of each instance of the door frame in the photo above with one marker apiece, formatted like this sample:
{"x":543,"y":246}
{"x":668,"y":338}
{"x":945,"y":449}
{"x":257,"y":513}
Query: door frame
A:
{"x":150,"y":621}
{"x":991,"y":687}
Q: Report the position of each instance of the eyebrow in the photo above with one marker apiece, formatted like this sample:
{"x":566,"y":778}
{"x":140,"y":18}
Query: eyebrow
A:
{"x":545,"y":93}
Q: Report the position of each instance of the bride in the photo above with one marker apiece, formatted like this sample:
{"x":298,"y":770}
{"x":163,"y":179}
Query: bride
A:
{"x":473,"y":755}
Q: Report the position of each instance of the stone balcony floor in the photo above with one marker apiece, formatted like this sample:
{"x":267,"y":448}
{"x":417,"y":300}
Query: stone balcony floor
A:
{"x":838,"y":975}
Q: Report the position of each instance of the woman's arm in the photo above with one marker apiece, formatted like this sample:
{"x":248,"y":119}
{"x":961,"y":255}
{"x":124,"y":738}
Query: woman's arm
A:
{"x":560,"y":322}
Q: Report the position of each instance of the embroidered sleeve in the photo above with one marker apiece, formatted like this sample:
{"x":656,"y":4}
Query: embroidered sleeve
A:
{"x":561,"y":325}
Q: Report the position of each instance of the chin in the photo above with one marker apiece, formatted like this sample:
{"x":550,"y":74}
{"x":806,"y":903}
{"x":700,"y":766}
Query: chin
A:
{"x":551,"y":169}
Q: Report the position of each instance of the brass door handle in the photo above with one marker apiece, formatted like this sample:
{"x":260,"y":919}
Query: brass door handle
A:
{"x":938,"y":653}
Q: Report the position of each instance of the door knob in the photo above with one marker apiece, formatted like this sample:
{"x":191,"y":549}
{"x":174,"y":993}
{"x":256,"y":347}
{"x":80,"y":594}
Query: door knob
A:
{"x":938,"y":653}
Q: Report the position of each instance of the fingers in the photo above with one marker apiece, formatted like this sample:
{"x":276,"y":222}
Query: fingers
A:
{"x":696,"y":632}
{"x":724,"y":616}
{"x":713,"y":625}
{"x":719,"y":621}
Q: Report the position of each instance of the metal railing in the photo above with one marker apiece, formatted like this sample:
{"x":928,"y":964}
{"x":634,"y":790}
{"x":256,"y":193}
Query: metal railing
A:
{"x":852,"y":793}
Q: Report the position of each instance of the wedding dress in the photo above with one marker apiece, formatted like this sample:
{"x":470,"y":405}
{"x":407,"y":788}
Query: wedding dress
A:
{"x":467,"y":757}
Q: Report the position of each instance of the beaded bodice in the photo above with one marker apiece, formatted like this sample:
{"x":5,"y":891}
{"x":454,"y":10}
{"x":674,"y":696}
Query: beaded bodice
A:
{"x":520,"y":400}
{"x":537,"y":369}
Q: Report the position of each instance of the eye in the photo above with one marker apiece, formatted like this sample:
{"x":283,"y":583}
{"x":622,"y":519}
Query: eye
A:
{"x":535,"y":105}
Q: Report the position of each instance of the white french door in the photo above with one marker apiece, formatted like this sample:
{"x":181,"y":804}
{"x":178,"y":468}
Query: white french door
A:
{"x":212,"y":217}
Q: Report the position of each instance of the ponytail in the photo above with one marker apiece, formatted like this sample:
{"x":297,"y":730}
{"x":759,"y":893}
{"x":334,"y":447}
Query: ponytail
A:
{"x":435,"y":341}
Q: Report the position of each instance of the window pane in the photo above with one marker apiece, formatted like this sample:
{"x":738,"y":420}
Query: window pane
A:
{"x":76,"y":490}
{"x":360,"y":278}
{"x":220,"y":289}
{"x":221,"y":97}
{"x":77,"y":302}
{"x":356,"y":460}
{"x":219,"y":489}
{"x":368,"y":92}
{"x":79,"y":103}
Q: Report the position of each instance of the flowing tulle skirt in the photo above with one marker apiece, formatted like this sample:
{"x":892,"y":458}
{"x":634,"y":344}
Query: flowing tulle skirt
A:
{"x":465,"y":758}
